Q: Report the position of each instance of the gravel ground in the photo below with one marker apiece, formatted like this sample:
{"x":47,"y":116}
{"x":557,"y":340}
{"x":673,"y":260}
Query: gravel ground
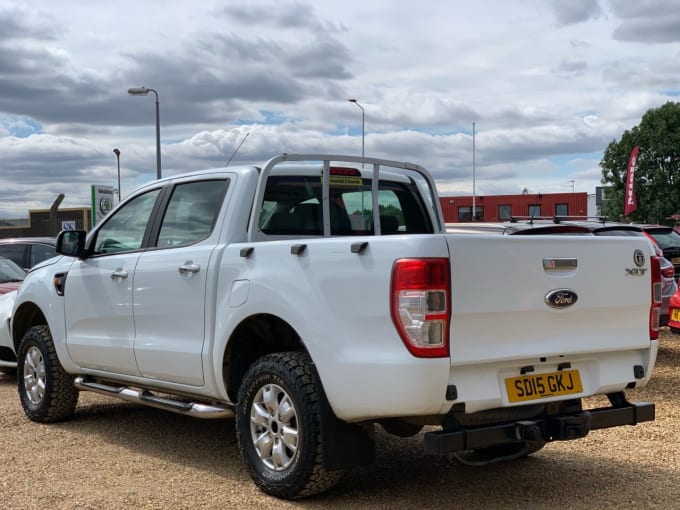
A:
{"x":118,"y":455}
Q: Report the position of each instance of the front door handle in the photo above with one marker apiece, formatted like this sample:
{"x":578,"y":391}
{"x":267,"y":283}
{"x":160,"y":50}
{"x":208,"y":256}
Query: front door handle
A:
{"x":119,"y":274}
{"x":189,"y":267}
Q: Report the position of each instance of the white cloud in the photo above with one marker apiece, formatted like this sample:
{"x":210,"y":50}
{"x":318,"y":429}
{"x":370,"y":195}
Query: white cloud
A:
{"x":548,"y":84}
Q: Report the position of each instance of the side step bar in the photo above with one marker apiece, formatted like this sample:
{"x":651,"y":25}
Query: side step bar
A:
{"x":145,"y":397}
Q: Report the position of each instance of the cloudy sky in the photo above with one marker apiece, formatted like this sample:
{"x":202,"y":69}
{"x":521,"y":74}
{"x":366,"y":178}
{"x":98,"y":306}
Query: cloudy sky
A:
{"x":548,"y":84}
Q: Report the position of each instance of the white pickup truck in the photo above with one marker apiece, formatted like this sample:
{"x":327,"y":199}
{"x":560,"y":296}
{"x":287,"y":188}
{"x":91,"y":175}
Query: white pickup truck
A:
{"x":317,"y":296}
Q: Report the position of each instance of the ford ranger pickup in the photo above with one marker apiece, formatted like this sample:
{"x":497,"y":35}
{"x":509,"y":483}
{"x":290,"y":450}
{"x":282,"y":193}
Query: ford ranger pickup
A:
{"x":316,"y":297}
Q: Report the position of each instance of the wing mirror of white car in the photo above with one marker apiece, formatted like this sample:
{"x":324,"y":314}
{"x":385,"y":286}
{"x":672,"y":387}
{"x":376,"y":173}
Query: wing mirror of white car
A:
{"x":71,"y":243}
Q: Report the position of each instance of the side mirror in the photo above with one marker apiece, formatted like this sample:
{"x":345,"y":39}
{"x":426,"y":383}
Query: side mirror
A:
{"x":71,"y":243}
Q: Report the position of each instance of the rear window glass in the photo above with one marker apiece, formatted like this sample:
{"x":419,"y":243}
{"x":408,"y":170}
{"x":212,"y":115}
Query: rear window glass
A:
{"x":666,"y":238}
{"x":14,"y":252}
{"x":292,"y":206}
{"x":618,"y":232}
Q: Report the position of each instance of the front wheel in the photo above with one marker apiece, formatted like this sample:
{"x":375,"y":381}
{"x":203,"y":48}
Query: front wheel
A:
{"x":46,"y":390}
{"x":278,"y":427}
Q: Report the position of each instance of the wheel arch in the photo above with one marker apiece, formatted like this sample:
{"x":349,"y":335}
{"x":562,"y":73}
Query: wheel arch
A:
{"x":345,"y":445}
{"x":25,"y":317}
{"x":254,"y":337}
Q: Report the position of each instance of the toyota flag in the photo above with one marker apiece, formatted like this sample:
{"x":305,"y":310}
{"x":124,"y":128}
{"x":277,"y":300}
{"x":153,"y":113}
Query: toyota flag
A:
{"x":630,"y":203}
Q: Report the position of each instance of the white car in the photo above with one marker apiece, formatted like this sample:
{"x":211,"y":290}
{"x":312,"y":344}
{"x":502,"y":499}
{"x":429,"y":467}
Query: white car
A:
{"x":8,"y":359}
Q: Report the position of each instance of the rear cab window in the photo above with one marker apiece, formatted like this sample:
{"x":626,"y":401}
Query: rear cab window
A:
{"x":191,"y":213}
{"x":292,"y":206}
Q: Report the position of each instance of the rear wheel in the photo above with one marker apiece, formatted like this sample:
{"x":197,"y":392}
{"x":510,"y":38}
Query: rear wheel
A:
{"x":46,"y":390}
{"x":278,"y":427}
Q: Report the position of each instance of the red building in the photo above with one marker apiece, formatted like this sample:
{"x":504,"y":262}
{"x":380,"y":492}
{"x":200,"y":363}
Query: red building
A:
{"x":503,"y":207}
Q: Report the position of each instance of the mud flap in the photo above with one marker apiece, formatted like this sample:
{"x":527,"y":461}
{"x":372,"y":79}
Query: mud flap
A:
{"x":345,"y":445}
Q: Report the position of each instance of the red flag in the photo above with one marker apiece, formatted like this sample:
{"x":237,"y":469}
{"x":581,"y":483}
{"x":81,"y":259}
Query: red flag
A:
{"x":630,"y":203}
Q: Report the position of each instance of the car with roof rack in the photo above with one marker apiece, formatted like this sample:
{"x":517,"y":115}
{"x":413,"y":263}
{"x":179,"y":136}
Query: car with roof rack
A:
{"x":666,"y":244}
{"x":667,"y":239}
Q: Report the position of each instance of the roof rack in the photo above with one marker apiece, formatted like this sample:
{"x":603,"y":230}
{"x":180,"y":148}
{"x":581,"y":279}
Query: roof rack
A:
{"x":529,"y":219}
{"x":558,"y":219}
{"x":598,"y":219}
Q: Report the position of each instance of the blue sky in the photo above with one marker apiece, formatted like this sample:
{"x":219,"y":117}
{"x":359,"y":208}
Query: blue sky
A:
{"x":548,"y":85}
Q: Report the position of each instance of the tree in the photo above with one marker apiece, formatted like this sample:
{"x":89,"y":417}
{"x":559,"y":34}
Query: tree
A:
{"x":657,"y":177}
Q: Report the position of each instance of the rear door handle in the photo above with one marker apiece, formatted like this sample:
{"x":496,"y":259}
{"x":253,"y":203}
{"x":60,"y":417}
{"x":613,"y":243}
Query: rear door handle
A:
{"x":189,"y":267}
{"x":120,"y":274}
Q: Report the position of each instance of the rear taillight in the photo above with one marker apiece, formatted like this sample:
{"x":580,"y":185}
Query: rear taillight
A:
{"x":668,"y":271}
{"x":655,"y":308}
{"x":420,"y":305}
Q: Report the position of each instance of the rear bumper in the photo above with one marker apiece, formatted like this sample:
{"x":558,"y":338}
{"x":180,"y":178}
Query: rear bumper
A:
{"x":548,"y":428}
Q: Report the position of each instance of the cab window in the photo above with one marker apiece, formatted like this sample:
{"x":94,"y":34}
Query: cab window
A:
{"x":125,"y":229}
{"x":191,"y":213}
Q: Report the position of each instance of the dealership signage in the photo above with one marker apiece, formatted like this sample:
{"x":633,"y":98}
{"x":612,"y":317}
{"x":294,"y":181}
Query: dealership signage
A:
{"x":102,"y":202}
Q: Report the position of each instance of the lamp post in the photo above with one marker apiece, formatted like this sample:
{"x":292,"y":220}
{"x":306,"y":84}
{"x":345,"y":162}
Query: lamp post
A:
{"x":117,"y":153}
{"x":143,"y":91}
{"x":363,"y":131}
{"x":474,"y":212}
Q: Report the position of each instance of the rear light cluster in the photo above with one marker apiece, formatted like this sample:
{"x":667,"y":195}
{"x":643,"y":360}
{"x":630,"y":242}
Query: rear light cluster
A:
{"x":655,"y":308}
{"x":668,"y":271}
{"x":420,"y":305}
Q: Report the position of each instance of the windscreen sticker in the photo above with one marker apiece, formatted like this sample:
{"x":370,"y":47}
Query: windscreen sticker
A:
{"x":341,"y":180}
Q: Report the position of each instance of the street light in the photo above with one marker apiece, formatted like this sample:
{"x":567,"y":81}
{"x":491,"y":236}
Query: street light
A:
{"x":474,"y":212}
{"x":143,"y":91}
{"x":363,"y":132}
{"x":117,"y":153}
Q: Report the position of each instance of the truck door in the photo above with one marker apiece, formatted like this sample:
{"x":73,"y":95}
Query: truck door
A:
{"x":170,"y":285}
{"x":100,"y":329}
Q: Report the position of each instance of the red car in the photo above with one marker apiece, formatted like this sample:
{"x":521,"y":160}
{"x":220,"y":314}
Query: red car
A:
{"x":11,"y":276}
{"x":674,"y":312}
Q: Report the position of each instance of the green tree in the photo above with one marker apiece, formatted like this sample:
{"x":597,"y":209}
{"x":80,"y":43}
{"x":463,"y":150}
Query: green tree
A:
{"x":657,"y":178}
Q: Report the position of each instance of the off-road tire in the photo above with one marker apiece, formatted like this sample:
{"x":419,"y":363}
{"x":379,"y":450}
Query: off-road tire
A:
{"x":292,"y":377}
{"x":46,"y":390}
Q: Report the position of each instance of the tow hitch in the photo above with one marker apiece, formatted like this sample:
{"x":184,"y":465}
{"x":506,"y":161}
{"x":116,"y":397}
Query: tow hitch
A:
{"x":561,"y":427}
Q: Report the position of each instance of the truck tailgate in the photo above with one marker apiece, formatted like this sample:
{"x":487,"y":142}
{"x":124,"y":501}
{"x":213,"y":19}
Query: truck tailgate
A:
{"x":499,"y":288}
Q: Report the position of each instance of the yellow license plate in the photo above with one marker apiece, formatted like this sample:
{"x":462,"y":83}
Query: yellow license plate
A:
{"x":675,"y":261}
{"x":675,"y":314}
{"x":537,"y":386}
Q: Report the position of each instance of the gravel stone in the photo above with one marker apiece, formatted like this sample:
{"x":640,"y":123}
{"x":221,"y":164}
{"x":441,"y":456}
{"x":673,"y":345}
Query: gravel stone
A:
{"x":115,"y":455}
